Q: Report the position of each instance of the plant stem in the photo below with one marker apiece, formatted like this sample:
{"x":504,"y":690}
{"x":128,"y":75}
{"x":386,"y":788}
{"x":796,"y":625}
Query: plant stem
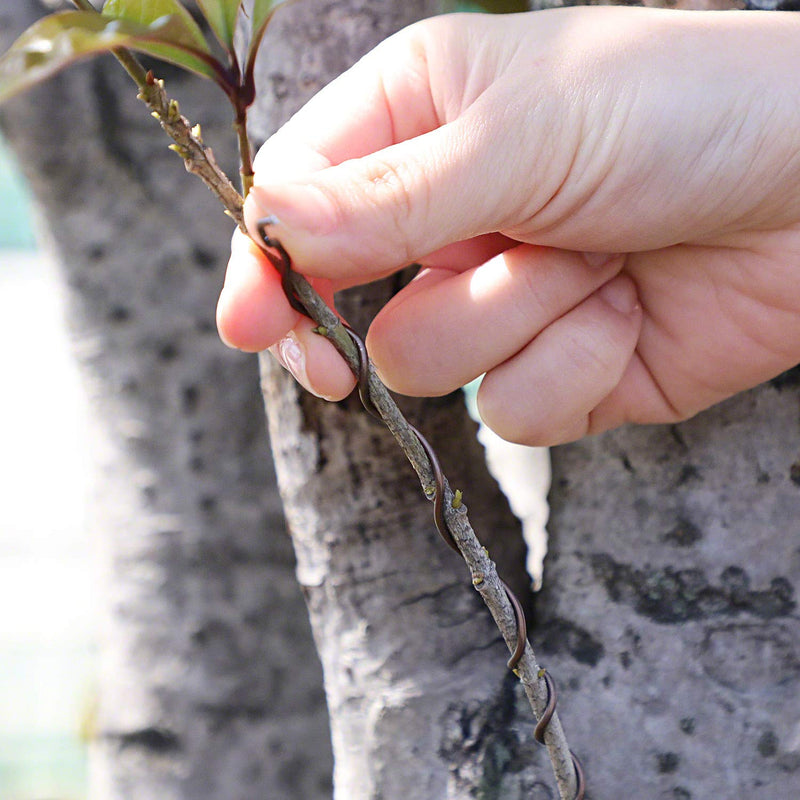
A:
{"x":128,"y":60}
{"x":132,"y":66}
{"x":482,"y":568}
{"x":245,"y":150}
{"x":198,"y":159}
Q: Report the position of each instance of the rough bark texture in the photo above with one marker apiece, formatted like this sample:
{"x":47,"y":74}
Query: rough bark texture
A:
{"x":670,"y":605}
{"x":670,"y":610}
{"x":421,"y":702}
{"x":210,"y":686}
{"x":669,"y":613}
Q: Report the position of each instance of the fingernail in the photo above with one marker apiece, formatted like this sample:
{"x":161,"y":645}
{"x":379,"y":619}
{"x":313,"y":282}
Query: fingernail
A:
{"x":276,"y":354}
{"x":293,"y":357}
{"x":620,"y":294}
{"x":598,"y":259}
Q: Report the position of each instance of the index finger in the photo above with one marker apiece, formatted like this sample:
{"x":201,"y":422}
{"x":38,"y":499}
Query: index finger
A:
{"x":385,"y":98}
{"x":398,"y":131}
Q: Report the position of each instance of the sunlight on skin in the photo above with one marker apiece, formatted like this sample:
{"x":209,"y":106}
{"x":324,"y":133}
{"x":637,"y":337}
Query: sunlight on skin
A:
{"x":463,"y":131}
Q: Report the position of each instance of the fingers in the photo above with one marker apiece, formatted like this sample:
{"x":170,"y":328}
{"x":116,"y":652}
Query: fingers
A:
{"x":253,"y":314}
{"x":387,"y":209}
{"x":406,"y":153}
{"x":546,"y":393}
{"x":554,"y":331}
{"x":252,"y":311}
{"x":314,"y":362}
{"x":469,"y":124}
{"x":448,"y":327}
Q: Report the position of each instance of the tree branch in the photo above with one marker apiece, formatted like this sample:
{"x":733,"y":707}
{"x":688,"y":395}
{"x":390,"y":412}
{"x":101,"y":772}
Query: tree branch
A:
{"x":483,"y":570}
{"x":188,"y":143}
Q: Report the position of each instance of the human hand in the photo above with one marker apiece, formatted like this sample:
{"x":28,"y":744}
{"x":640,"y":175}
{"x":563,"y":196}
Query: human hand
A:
{"x":510,"y":156}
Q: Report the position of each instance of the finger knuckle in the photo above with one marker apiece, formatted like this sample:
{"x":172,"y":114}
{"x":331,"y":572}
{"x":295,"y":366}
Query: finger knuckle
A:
{"x":389,"y":186}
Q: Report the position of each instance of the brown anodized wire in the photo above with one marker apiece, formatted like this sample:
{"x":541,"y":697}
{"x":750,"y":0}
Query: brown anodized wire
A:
{"x":280,"y":259}
{"x":541,"y":728}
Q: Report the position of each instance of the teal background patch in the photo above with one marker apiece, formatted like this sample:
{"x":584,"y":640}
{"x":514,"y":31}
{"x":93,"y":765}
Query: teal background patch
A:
{"x":15,"y":205}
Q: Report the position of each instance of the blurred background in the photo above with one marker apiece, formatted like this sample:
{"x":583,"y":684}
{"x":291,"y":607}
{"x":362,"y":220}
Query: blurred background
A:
{"x":46,"y":628}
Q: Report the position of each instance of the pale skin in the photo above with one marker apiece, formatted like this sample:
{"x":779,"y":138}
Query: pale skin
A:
{"x":605,"y":202}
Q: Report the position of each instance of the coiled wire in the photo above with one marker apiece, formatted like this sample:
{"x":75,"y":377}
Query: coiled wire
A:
{"x":280,"y":259}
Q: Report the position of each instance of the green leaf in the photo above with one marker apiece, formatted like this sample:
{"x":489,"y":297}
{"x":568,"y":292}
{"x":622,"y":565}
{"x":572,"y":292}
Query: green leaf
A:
{"x":60,"y":39}
{"x":259,"y":19}
{"x":221,"y":16}
{"x":184,"y":31}
{"x":262,"y":11}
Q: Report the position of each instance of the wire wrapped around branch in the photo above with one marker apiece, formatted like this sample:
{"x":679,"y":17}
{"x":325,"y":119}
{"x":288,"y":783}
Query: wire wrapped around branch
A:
{"x":449,"y":516}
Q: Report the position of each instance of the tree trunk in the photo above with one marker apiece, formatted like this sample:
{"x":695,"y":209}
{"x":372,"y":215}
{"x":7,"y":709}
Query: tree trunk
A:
{"x":420,"y":699}
{"x":668,"y":616}
{"x":209,"y":686}
{"x":669,"y":611}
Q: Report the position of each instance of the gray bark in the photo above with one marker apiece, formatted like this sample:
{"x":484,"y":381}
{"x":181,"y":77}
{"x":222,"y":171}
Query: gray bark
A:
{"x":670,"y":611}
{"x":668,"y":617}
{"x":421,"y":702}
{"x":210,"y":686}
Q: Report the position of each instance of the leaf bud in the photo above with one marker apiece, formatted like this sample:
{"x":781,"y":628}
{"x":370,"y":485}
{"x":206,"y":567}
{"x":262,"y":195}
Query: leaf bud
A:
{"x":180,"y":150}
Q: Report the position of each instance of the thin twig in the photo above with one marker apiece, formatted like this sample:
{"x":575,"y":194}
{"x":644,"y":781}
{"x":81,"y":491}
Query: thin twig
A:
{"x":482,"y":568}
{"x":188,"y":143}
{"x":245,"y":153}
